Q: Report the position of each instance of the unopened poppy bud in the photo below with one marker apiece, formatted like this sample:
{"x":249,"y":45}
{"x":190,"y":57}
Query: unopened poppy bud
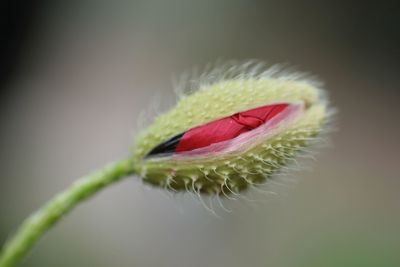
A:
{"x":237,"y":129}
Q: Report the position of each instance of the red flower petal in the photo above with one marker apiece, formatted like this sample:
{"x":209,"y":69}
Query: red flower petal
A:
{"x":227,"y":128}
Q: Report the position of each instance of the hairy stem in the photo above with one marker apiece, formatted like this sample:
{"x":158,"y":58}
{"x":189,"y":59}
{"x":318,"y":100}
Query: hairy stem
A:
{"x":42,"y":220}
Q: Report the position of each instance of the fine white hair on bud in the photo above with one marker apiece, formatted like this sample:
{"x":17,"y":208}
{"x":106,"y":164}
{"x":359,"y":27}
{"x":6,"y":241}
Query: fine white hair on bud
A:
{"x":234,"y":126}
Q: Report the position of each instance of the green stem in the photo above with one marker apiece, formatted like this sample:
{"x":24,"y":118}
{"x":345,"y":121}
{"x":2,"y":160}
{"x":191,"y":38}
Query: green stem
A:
{"x":42,"y":220}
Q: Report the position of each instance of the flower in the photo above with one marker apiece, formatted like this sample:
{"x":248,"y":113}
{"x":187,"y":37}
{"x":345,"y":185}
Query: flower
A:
{"x":239,"y":127}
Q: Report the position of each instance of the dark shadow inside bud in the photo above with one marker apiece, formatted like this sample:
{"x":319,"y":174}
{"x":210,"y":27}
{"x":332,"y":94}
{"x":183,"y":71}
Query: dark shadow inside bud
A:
{"x":166,"y":147}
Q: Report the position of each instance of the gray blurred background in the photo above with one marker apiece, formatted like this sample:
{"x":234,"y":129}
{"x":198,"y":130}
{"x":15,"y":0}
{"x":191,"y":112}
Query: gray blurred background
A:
{"x":76,"y":74}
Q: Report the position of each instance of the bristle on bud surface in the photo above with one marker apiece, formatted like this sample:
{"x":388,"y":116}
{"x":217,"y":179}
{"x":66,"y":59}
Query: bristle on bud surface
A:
{"x":231,"y":164}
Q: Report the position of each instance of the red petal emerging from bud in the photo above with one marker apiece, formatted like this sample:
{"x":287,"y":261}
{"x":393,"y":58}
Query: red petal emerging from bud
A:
{"x":227,"y":128}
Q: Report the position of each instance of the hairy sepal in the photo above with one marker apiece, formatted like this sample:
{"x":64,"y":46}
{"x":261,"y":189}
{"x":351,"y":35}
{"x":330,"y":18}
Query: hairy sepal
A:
{"x":251,"y":159}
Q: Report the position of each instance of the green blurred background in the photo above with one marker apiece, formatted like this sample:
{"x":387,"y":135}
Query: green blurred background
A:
{"x":78,"y":73}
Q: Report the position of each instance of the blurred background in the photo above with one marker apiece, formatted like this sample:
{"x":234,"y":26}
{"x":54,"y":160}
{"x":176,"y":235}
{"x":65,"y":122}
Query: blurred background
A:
{"x":76,"y":74}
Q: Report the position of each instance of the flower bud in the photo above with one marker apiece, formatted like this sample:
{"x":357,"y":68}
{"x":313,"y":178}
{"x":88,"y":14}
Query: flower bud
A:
{"x":239,"y":128}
